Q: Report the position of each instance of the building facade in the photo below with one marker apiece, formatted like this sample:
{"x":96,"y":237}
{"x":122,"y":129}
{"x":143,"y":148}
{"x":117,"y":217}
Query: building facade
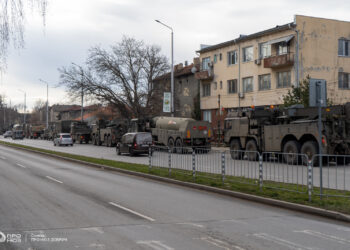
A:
{"x":186,"y":89}
{"x":259,"y":69}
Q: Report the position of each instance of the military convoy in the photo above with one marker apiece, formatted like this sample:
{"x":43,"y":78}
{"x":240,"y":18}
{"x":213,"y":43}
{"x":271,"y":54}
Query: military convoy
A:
{"x":80,"y":132}
{"x":108,"y":133}
{"x":175,"y":132}
{"x":292,"y":131}
{"x":36,"y":131}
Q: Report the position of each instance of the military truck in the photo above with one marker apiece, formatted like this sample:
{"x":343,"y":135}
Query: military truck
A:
{"x":80,"y":132}
{"x":108,"y":133}
{"x":36,"y":131}
{"x":60,"y":127}
{"x":293,"y":131}
{"x":175,"y":132}
{"x":17,"y":132}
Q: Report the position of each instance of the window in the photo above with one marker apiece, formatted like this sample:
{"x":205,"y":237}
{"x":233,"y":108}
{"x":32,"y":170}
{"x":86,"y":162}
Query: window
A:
{"x":206,"y":89}
{"x":265,"y":82}
{"x":215,"y":58}
{"x":220,"y":84}
{"x":205,"y":63}
{"x":232,"y":86}
{"x":220,"y":56}
{"x":247,"y":84}
{"x":247,"y":54}
{"x":264,"y":50}
{"x":215,"y":85}
{"x":232,"y":57}
{"x":343,"y":47}
{"x":343,"y":80}
{"x":282,"y":48}
{"x":207,"y":115}
{"x":283,"y":79}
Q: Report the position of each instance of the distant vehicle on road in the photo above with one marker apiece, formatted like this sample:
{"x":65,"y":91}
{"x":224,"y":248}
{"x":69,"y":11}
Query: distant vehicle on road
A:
{"x":134,"y":143}
{"x":17,"y":134}
{"x":63,"y":139}
{"x":108,"y":133}
{"x":80,"y":132}
{"x":8,"y":134}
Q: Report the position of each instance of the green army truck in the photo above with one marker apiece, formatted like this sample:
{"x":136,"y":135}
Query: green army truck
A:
{"x":292,"y":131}
{"x":175,"y":132}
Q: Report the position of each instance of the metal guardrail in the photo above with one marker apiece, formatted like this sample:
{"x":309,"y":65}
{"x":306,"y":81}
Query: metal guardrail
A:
{"x":289,"y":172}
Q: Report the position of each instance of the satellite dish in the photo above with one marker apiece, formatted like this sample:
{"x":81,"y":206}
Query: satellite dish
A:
{"x":194,"y":70}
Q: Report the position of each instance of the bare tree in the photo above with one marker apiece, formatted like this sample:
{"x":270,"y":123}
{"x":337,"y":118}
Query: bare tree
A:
{"x":12,"y":18}
{"x":122,"y":76}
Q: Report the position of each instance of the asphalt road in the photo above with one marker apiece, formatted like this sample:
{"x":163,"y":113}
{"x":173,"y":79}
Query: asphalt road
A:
{"x":334,"y":177}
{"x":53,"y":204}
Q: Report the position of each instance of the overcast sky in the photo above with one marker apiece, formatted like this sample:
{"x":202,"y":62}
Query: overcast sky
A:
{"x":73,"y":26}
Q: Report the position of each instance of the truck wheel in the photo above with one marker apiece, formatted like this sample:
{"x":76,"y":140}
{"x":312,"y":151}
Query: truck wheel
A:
{"x":109,"y":141}
{"x":310,"y":148}
{"x":291,"y":150}
{"x":118,"y":150}
{"x":235,"y":147}
{"x":178,"y":146}
{"x":171,"y":144}
{"x":252,"y":149}
{"x":131,"y":152}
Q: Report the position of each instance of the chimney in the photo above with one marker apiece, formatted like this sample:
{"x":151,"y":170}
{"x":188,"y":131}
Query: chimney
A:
{"x":186,"y":63}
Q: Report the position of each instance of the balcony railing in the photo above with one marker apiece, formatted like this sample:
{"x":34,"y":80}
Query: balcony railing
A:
{"x":279,"y":61}
{"x":204,"y":75}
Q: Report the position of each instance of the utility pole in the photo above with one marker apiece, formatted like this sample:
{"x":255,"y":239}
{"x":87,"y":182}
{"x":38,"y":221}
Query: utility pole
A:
{"x":24,"y":108}
{"x":172,"y":68}
{"x":219,"y":120}
{"x":4,"y":117}
{"x":47,"y":102}
{"x":82,"y":103}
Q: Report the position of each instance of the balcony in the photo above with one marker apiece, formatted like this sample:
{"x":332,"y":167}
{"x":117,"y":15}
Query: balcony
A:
{"x":279,"y":61}
{"x":205,"y":75}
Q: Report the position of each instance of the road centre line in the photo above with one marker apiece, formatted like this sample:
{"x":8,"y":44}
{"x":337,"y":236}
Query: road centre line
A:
{"x":20,"y":165}
{"x":220,"y":244}
{"x":154,"y":244}
{"x":131,"y":211}
{"x":281,"y":241}
{"x":325,"y":236}
{"x":53,"y":179}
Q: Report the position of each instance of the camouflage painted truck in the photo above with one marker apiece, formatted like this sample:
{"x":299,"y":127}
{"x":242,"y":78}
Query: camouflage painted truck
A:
{"x":292,"y":131}
{"x":36,"y":131}
{"x":175,"y":132}
{"x":60,"y":127}
{"x":108,"y":133}
{"x":80,"y":132}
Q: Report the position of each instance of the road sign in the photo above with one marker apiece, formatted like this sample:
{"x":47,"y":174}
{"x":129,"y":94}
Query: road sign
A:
{"x":317,"y":93}
{"x":167,"y":102}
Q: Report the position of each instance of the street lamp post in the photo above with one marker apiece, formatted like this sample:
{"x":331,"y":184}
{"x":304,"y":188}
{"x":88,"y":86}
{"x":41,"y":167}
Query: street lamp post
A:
{"x":172,"y":67}
{"x":25,"y":104}
{"x":47,"y":102}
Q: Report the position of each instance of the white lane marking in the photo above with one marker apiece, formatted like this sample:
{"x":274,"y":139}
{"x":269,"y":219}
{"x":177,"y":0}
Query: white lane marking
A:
{"x":97,"y":246}
{"x":53,"y":179}
{"x":282,"y":242}
{"x":324,"y":236}
{"x":343,"y":229}
{"x":235,"y":221}
{"x":154,"y":244}
{"x":220,"y":244}
{"x":20,"y":165}
{"x":191,"y":224}
{"x":94,"y":229}
{"x":131,"y":211}
{"x":3,"y":158}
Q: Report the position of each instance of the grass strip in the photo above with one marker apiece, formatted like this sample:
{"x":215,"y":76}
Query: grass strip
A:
{"x":274,"y":190}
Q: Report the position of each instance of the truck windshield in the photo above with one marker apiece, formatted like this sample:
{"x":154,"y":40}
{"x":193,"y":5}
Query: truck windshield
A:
{"x":65,"y":136}
{"x":141,"y":138}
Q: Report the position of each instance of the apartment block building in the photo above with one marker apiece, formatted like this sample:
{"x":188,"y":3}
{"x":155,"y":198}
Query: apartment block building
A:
{"x":260,"y":68}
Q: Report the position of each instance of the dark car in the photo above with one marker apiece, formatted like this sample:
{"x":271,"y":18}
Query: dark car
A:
{"x":8,"y":134}
{"x":134,"y":143}
{"x":17,"y":134}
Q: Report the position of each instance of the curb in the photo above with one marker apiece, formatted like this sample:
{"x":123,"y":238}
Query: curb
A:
{"x":268,"y":201}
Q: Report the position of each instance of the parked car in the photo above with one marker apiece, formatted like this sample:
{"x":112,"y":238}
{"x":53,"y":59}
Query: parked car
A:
{"x":63,"y":139}
{"x":134,"y":143}
{"x":17,"y":134}
{"x":8,"y":134}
